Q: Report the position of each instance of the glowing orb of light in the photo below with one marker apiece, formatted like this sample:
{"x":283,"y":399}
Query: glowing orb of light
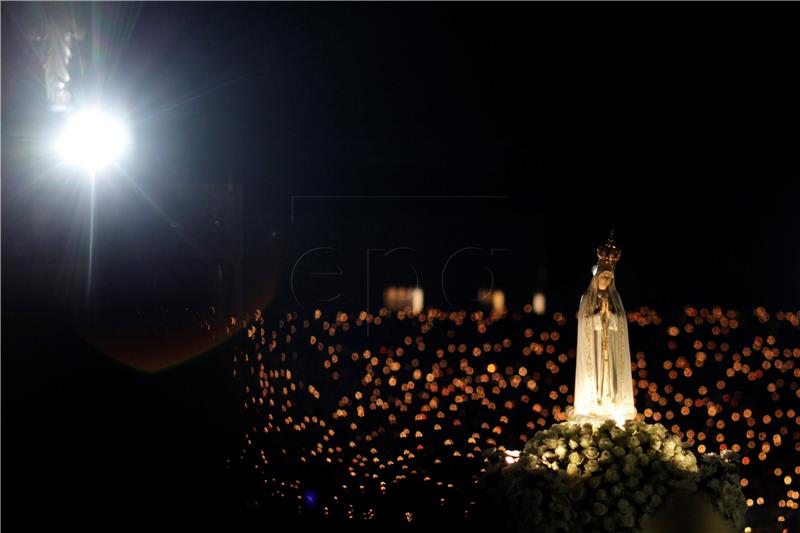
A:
{"x":92,"y":140}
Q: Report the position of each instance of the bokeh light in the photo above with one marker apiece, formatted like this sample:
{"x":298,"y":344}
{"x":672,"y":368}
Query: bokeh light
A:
{"x":367,"y":420}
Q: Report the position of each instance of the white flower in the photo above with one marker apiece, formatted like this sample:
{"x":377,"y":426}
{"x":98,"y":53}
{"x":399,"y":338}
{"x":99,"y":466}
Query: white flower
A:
{"x":598,"y":509}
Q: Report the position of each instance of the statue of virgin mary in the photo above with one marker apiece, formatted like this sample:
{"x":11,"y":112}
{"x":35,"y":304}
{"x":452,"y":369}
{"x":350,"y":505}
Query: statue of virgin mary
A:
{"x":603,"y":377}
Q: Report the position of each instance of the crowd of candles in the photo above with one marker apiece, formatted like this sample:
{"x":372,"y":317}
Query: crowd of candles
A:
{"x":390,"y":422}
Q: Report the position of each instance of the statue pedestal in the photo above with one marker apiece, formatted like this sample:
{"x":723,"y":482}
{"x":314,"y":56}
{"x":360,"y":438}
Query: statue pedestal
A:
{"x":595,"y":478}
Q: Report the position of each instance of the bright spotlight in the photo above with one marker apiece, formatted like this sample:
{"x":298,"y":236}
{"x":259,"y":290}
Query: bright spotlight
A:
{"x":92,"y":140}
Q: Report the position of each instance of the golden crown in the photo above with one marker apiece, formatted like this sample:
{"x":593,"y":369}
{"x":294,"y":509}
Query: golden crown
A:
{"x":608,"y":254}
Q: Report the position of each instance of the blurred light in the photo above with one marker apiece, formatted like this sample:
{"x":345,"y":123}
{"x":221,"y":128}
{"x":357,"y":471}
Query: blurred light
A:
{"x":498,"y":301}
{"x":701,"y":392}
{"x":404,"y":299}
{"x":538,"y":303}
{"x":92,"y":140}
{"x":417,"y":300}
{"x":310,"y":497}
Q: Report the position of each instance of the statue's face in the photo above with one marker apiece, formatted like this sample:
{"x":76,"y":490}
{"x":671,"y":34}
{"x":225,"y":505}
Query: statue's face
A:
{"x":604,"y":280}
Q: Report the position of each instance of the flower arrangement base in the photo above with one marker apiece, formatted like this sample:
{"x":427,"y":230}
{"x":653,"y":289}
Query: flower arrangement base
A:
{"x":604,"y":478}
{"x":685,"y":512}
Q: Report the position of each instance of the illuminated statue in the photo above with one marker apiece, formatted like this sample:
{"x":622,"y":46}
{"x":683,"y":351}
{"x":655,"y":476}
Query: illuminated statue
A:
{"x":603,"y":386}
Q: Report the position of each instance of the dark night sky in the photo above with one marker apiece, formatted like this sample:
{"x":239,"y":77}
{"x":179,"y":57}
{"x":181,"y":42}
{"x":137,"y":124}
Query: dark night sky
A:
{"x":676,"y":124}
